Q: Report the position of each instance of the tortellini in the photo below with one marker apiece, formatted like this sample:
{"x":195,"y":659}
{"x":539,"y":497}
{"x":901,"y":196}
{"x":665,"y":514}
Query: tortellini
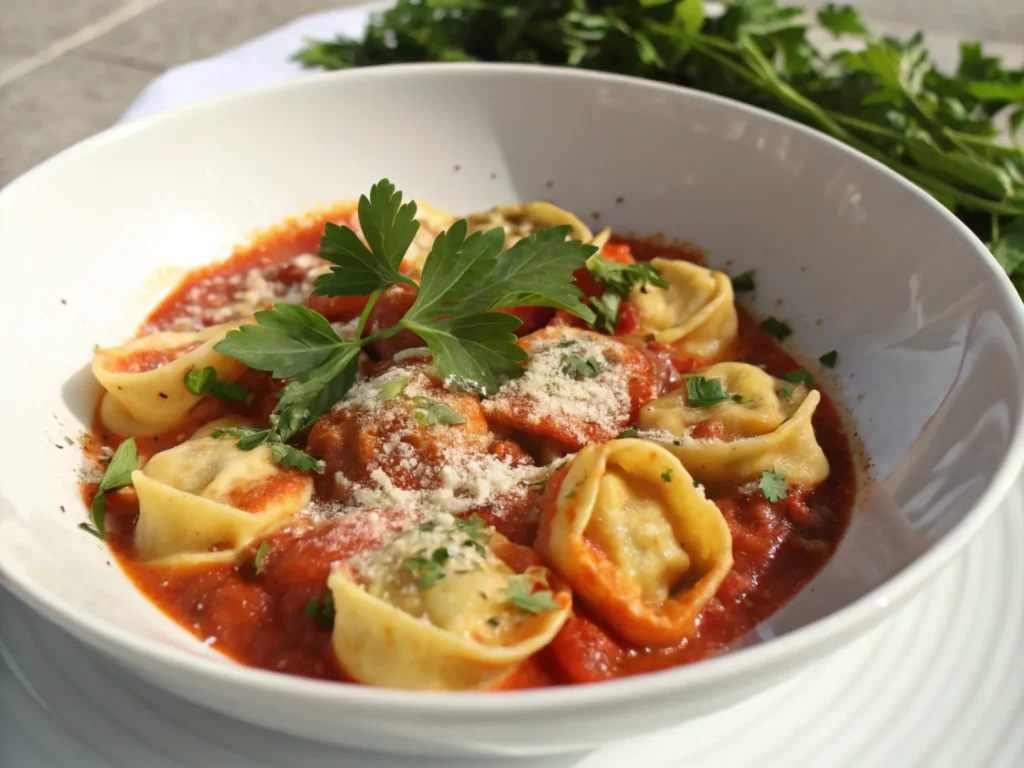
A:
{"x":521,"y":221}
{"x":145,"y":378}
{"x":437,"y":609}
{"x":635,"y":538}
{"x":770,"y":428}
{"x":205,"y":496}
{"x":695,"y":314}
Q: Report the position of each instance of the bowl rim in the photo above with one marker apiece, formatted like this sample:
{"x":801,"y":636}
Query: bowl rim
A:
{"x":851,"y":619}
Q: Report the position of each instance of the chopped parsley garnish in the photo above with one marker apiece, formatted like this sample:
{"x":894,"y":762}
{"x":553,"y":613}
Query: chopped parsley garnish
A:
{"x":744,"y":282}
{"x":519,"y":594}
{"x":282,"y":427}
{"x":204,"y":381}
{"x":786,"y":392}
{"x":260,"y":561}
{"x":428,"y":571}
{"x":799,"y":376}
{"x":393,"y":388}
{"x":696,"y":484}
{"x":703,"y":393}
{"x":667,"y":475}
{"x":618,"y":280}
{"x":773,"y":485}
{"x":576,"y":367}
{"x":430,"y":412}
{"x":465,"y":281}
{"x":776,"y":328}
{"x":119,"y":474}
{"x":570,"y":494}
{"x":473,"y":527}
{"x":829,"y":359}
{"x":629,"y":432}
{"x":322,"y":611}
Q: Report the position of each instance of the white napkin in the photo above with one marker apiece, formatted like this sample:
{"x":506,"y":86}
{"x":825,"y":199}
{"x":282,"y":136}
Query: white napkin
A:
{"x":267,"y":59}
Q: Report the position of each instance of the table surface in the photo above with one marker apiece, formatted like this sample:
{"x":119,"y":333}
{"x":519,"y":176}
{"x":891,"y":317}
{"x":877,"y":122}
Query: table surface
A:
{"x":69,"y":68}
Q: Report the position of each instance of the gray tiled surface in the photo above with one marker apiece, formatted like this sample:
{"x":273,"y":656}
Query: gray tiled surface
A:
{"x":68,"y":68}
{"x":59,"y":104}
{"x":181,"y":30}
{"x":28,"y":26}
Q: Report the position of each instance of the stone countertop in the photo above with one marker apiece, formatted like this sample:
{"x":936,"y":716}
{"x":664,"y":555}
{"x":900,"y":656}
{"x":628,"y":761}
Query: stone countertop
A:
{"x":69,"y":68}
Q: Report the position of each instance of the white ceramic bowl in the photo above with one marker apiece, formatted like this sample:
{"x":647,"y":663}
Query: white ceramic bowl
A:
{"x":930,"y":337}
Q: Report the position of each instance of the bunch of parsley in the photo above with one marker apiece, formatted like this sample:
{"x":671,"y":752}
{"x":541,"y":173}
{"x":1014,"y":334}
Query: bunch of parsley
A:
{"x":886,"y":99}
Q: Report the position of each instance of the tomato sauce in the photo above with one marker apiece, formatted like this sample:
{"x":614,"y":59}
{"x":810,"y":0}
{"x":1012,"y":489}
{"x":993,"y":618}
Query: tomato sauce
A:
{"x":276,"y":618}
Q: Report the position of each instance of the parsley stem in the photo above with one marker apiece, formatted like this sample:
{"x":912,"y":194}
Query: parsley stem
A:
{"x":361,"y":325}
{"x":387,"y":333}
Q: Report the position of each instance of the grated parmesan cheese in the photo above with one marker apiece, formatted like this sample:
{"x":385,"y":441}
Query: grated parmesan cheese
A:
{"x":553,"y":394}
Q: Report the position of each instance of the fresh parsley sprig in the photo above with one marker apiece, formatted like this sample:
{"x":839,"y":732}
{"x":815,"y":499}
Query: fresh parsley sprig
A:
{"x":773,"y":485}
{"x":465,"y":281}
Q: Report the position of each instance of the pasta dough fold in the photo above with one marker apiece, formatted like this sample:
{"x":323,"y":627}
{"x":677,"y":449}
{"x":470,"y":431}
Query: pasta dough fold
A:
{"x":640,"y":545}
{"x":695,"y":314}
{"x":145,"y":378}
{"x":205,"y":497}
{"x":770,"y":428}
{"x":432,"y":611}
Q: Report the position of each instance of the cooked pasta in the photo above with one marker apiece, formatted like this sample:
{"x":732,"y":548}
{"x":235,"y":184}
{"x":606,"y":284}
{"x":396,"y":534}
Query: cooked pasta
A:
{"x":386,"y":446}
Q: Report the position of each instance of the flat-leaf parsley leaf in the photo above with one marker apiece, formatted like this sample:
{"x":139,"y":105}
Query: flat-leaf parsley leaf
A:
{"x":204,"y":381}
{"x":702,"y":392}
{"x":519,"y":594}
{"x":773,"y":485}
{"x":119,"y":474}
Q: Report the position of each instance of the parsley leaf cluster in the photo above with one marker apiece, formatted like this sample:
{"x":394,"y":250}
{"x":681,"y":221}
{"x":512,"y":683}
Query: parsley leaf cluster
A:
{"x":618,"y":280}
{"x":886,"y":98}
{"x":466,"y":279}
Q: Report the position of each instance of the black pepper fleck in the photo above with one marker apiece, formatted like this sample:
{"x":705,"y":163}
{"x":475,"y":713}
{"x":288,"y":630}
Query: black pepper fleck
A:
{"x":549,"y":184}
{"x":163,"y":395}
{"x":64,"y":302}
{"x":62,"y":510}
{"x":493,"y":175}
{"x":620,"y":200}
{"x":457,"y":168}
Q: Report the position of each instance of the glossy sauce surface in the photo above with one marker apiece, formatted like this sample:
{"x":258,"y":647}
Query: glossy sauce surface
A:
{"x":270,"y":620}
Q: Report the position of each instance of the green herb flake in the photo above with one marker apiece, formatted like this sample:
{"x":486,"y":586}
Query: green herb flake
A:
{"x":829,"y":359}
{"x":619,"y":281}
{"x":786,"y":393}
{"x":773,"y":485}
{"x":800,"y":376}
{"x":776,"y":328}
{"x":667,"y":475}
{"x":703,"y":393}
{"x":430,"y":412}
{"x":393,"y":388}
{"x":577,"y":367}
{"x":519,"y":594}
{"x":204,"y":381}
{"x":629,"y":433}
{"x":118,"y":475}
{"x":260,"y":561}
{"x":322,"y":611}
{"x":744,"y":282}
{"x":427,"y":572}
